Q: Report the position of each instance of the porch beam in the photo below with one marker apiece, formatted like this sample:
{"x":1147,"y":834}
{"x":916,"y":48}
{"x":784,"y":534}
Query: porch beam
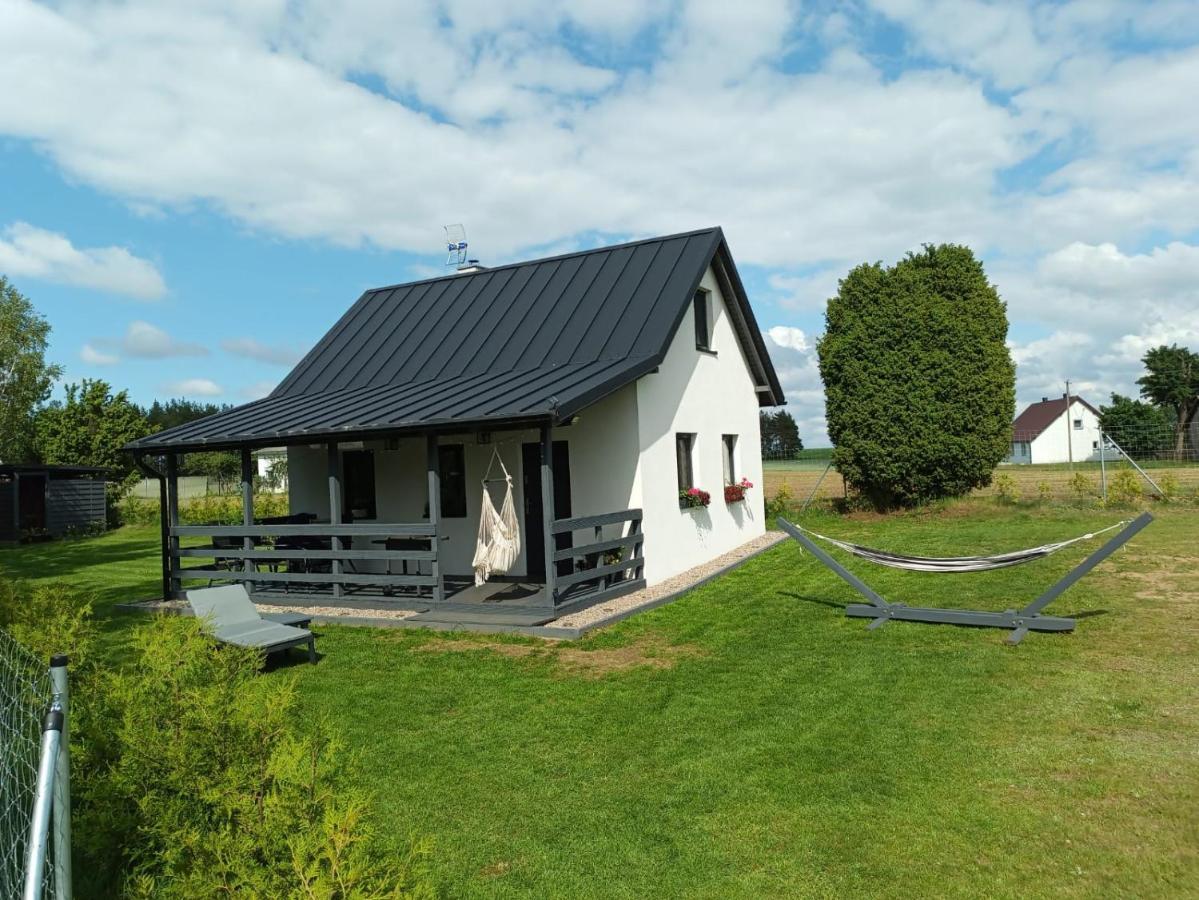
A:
{"x":247,"y":506}
{"x":334,"y":508}
{"x":172,"y":514}
{"x":433,"y":472}
{"x":547,"y":515}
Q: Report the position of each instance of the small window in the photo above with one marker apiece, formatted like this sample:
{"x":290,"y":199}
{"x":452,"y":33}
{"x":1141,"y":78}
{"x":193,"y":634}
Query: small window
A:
{"x":451,"y":458}
{"x":703,"y":321}
{"x":358,"y":492}
{"x":683,"y":446}
{"x":729,"y":446}
{"x":1078,"y":424}
{"x":1094,"y":445}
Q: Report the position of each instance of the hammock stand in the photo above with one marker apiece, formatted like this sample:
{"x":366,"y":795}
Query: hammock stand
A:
{"x":1020,"y":622}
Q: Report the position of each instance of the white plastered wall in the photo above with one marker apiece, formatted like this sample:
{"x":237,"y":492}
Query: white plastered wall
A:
{"x":709,"y":395}
{"x":1050,"y":445}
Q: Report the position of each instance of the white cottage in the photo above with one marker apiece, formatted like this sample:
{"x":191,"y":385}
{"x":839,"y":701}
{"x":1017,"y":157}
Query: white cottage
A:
{"x":604,"y":383}
{"x":1049,"y":432}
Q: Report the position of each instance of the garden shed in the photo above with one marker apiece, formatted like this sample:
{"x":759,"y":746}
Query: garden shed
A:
{"x":49,"y":501}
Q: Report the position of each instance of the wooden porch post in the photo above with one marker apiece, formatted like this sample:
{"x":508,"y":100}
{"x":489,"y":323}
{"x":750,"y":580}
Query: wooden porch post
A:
{"x":433,"y":465}
{"x":547,"y":515}
{"x":334,"y":511}
{"x":172,"y":514}
{"x":247,"y":508}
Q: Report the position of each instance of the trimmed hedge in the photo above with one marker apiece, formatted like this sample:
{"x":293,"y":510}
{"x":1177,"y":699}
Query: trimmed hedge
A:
{"x":214,"y":509}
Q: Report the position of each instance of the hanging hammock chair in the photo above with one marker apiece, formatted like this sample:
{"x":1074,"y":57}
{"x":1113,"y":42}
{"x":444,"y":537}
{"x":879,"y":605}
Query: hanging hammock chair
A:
{"x":498,"y":542}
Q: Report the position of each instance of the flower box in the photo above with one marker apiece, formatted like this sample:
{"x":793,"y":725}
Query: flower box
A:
{"x":735,"y":493}
{"x":694,"y":498}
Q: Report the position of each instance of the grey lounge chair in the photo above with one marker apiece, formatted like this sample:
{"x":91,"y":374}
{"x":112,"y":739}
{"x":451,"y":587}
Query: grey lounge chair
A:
{"x":232,"y":619}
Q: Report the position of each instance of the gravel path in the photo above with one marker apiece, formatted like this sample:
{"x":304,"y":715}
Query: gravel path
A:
{"x":675,"y":585}
{"x":339,"y":612}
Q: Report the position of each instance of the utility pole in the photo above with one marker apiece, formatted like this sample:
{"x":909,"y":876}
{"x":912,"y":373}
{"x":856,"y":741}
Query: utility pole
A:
{"x":1069,"y":429}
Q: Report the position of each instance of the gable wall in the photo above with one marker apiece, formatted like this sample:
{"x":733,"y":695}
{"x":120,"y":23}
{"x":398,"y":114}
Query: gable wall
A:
{"x":1050,"y":446}
{"x":708,"y":395}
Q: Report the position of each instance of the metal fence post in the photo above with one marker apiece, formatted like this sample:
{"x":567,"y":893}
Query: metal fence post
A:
{"x":1102,"y":466}
{"x":62,"y":783}
{"x":39,"y":826}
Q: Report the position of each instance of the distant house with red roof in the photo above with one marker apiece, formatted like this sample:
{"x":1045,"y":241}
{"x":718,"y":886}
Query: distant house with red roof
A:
{"x":1051,"y":432}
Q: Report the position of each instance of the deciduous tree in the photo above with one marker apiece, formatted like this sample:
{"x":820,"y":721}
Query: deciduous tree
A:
{"x":25,"y":376}
{"x":1172,"y":380}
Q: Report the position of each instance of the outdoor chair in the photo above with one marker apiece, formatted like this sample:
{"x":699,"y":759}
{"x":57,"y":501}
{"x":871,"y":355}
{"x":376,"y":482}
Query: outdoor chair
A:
{"x":231,"y":618}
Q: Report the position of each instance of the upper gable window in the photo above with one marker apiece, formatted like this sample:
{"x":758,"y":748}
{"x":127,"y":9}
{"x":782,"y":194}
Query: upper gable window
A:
{"x":703,"y":320}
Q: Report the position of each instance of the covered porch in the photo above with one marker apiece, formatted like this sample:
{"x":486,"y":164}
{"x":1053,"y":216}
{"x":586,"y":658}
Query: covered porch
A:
{"x":343,"y":544}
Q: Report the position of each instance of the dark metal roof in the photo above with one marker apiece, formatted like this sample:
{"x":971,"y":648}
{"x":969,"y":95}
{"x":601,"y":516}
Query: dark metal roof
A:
{"x":52,"y":471}
{"x":524,"y":342}
{"x":1039,"y":416}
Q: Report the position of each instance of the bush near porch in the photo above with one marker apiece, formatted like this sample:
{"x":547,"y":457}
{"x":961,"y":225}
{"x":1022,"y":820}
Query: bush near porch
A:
{"x":212,"y":509}
{"x":748,"y":740}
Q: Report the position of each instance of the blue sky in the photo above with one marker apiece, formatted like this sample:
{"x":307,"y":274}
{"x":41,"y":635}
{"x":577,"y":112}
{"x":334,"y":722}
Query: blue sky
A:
{"x":178,"y":176}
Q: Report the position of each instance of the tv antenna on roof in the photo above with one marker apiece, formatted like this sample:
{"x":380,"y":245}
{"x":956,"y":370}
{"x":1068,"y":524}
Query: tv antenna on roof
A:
{"x":455,"y":244}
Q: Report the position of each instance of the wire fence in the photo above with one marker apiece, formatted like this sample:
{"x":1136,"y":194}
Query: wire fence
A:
{"x":1084,"y":463}
{"x":26,"y":693}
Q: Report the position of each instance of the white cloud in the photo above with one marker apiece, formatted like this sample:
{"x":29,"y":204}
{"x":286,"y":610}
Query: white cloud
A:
{"x":37,"y":253}
{"x":256,"y":350}
{"x":790,"y":337}
{"x":92,"y":356}
{"x":193,"y":387}
{"x":144,"y":341}
{"x":173,"y":107}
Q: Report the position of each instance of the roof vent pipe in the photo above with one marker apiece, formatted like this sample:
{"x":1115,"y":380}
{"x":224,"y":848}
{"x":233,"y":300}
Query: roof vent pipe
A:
{"x":1044,"y":399}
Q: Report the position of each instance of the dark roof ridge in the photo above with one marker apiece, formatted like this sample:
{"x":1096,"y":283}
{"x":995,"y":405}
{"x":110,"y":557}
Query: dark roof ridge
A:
{"x":545,"y":259}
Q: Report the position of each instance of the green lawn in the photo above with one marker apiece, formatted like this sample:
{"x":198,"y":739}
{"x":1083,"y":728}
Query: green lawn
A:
{"x":748,"y":740}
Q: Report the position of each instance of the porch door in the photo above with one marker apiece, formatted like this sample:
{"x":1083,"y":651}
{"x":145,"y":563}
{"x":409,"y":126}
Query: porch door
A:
{"x":531,"y":481}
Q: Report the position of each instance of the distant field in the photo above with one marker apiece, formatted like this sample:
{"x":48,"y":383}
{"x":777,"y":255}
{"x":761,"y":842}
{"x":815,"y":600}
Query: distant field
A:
{"x":802,"y":475}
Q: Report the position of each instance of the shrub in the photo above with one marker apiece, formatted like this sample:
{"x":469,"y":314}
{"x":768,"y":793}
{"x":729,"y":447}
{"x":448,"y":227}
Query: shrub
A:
{"x":218,"y":792}
{"x":1044,"y":491}
{"x":1124,"y":487}
{"x":1081,"y":486}
{"x":919,"y":383}
{"x":777,"y":505}
{"x":213,"y":508}
{"x":1168,"y":483}
{"x":194,"y":776}
{"x":1005,"y":488}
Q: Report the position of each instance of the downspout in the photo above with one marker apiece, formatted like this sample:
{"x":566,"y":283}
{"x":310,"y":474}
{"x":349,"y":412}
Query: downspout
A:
{"x":164,"y":535}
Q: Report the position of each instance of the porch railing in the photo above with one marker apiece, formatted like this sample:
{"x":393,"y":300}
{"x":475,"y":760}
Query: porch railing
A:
{"x":297,"y":547}
{"x":610,"y":564}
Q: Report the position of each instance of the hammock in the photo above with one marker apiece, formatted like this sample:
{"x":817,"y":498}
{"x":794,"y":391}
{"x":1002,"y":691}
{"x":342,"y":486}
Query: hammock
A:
{"x":945,"y":564}
{"x":1020,"y":621}
{"x":499,"y":533}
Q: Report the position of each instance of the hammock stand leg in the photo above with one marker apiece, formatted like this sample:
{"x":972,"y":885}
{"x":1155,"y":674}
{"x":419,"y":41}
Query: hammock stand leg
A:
{"x":1019,"y":622}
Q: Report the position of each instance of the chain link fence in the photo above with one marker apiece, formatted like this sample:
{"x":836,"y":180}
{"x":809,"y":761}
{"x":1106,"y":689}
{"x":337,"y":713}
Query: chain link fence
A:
{"x":26,"y":693}
{"x":1071,"y":464}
